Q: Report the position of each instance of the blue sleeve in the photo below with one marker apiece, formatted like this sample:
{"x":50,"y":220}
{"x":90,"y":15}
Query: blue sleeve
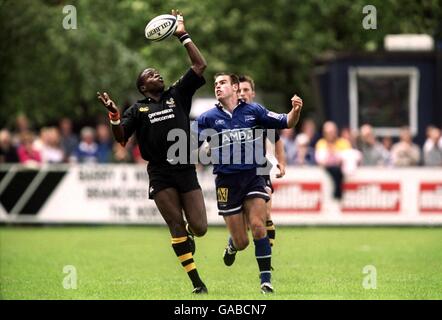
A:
{"x":271,"y":120}
{"x":202,"y":125}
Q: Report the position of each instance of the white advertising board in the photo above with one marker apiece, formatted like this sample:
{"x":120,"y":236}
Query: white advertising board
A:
{"x":117,"y":194}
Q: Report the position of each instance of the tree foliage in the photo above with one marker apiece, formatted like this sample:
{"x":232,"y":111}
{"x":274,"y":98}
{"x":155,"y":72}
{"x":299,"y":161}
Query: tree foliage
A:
{"x":48,"y":72}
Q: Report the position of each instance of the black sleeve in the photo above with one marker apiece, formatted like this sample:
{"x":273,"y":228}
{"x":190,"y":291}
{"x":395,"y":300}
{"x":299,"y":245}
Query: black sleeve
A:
{"x":189,"y":83}
{"x":129,"y":121}
{"x":186,"y":86}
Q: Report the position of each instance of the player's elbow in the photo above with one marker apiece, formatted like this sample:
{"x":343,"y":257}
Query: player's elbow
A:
{"x":292,"y":120}
{"x":200,"y":67}
{"x":290,"y":123}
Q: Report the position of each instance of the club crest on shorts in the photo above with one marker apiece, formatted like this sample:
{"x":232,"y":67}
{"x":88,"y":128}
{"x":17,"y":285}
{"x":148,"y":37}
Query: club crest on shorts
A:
{"x":222,"y":194}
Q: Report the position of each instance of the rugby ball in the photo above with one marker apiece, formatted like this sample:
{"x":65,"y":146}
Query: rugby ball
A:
{"x":161,"y":27}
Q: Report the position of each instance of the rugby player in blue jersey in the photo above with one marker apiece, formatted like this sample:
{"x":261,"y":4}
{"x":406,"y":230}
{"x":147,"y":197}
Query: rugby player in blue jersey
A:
{"x":247,"y":93}
{"x":234,"y":130}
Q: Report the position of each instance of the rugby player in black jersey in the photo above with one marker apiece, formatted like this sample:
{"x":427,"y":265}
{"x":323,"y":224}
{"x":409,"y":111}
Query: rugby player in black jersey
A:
{"x":173,"y":186}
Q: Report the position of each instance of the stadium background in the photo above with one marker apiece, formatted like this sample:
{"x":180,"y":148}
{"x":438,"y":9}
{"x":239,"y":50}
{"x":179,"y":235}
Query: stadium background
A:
{"x":49,"y":73}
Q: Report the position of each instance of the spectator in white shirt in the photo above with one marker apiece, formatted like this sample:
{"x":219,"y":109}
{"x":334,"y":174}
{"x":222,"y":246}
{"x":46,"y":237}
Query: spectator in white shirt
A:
{"x":405,"y":153}
{"x":433,"y":147}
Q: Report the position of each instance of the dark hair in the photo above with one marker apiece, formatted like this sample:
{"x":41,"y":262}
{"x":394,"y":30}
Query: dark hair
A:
{"x":234,"y":79}
{"x":140,"y":82}
{"x":244,"y":78}
{"x":140,"y":79}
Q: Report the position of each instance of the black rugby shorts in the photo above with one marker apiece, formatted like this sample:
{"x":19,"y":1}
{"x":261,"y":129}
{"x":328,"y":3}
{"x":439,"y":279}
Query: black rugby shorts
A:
{"x":181,"y":179}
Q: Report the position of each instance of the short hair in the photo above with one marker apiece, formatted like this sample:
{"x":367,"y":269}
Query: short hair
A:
{"x":87,"y":131}
{"x":140,"y":81}
{"x":245,"y":78}
{"x":234,"y":79}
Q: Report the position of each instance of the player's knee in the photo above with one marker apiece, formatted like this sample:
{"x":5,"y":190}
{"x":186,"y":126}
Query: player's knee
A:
{"x":259,"y":231}
{"x":241,"y":243}
{"x":199,"y":229}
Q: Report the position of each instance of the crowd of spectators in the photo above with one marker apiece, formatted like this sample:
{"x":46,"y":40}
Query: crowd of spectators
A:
{"x":349,"y":149}
{"x":330,"y":147}
{"x":341,"y":152}
{"x":60,"y":144}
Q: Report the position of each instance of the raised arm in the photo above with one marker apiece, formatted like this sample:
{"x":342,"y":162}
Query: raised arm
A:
{"x":280,"y":156}
{"x":293,"y":115}
{"x":114,"y":116}
{"x":199,"y":64}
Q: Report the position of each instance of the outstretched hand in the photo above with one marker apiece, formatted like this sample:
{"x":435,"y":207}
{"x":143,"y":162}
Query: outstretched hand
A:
{"x":180,"y":30}
{"x":281,"y":168}
{"x":296,"y":104}
{"x":107,"y":102}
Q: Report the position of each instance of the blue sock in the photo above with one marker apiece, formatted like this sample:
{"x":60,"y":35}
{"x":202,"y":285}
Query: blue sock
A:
{"x":263,"y":253}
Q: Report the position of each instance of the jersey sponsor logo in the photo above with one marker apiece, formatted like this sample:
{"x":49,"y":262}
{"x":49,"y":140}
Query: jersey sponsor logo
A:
{"x":161,"y":115}
{"x":274,"y":115}
{"x":222,"y":194}
{"x":143,"y":109}
{"x":232,"y":136}
{"x":166,"y":117}
{"x":171,"y":103}
{"x":249,"y":118}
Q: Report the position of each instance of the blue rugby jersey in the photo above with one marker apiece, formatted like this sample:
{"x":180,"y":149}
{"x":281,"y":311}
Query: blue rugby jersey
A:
{"x":237,"y":140}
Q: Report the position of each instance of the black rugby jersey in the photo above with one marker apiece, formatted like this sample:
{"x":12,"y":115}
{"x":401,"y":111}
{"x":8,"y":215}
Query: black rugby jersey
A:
{"x":151,"y":120}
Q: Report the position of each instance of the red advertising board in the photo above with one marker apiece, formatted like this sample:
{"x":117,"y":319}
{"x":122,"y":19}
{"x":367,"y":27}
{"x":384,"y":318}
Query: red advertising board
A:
{"x":297,"y":197}
{"x":430,"y":197}
{"x":371,"y":197}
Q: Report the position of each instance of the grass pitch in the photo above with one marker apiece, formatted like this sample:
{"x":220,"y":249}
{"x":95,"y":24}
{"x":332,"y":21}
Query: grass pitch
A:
{"x":139,"y":263}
